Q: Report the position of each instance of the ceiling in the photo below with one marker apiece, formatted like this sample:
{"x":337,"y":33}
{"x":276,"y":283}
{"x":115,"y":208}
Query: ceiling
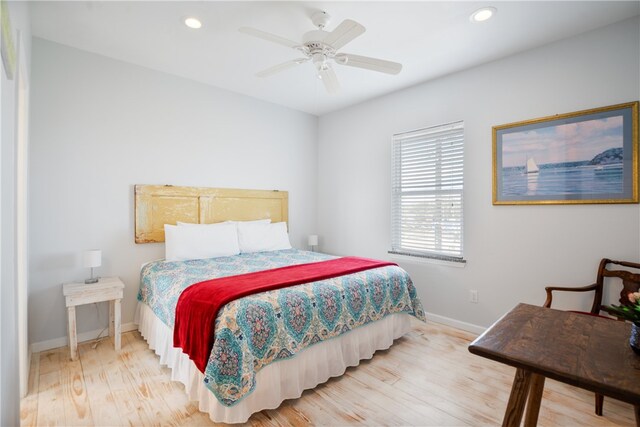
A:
{"x":430,"y":39}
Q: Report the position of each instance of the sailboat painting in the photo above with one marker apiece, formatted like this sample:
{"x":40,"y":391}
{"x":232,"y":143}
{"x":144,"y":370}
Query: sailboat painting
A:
{"x":532,"y":167}
{"x":583,"y":157}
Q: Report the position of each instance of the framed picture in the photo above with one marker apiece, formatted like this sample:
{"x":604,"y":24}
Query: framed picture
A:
{"x":588,"y":156}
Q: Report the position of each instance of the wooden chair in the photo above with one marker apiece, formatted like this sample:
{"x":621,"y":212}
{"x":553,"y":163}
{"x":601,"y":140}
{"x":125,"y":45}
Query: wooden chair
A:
{"x":630,"y":282}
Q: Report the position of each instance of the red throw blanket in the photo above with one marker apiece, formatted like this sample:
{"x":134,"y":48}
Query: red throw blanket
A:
{"x":199,"y":304}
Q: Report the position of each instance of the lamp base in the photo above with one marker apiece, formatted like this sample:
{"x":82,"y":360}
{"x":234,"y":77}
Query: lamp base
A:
{"x":92,"y":280}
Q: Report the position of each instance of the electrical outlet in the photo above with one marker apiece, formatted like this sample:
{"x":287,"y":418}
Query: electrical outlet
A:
{"x":473,"y":296}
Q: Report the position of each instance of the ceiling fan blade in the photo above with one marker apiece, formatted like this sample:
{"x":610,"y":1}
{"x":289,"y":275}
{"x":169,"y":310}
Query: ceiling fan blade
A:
{"x":343,"y":34}
{"x":269,"y":37}
{"x":330,"y":80}
{"x":281,"y":67}
{"x":374,"y":64}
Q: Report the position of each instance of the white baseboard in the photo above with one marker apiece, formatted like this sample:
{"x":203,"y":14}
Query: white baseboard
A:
{"x":469,"y":327}
{"x":37,"y":347}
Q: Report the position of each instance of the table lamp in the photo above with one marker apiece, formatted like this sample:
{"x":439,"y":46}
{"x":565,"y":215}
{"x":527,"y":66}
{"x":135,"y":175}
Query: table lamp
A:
{"x":91,"y":259}
{"x":312,"y":241}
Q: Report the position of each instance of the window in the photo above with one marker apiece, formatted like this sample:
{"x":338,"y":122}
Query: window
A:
{"x":427,"y":185}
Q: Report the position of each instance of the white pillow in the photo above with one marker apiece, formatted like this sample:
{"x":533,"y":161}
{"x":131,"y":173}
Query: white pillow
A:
{"x":183,"y":243}
{"x":259,"y":237}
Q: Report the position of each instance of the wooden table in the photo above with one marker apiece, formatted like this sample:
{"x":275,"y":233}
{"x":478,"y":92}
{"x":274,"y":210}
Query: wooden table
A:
{"x":585,"y":351}
{"x":107,"y":289}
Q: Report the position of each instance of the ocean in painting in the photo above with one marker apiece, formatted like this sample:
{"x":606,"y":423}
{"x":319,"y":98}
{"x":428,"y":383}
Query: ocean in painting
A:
{"x":563,"y":179}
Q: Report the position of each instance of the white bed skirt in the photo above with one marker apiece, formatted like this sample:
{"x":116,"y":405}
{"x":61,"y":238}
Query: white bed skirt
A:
{"x":282,"y":380}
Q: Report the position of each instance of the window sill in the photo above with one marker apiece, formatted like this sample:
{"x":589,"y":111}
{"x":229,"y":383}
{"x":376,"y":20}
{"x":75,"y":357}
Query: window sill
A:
{"x":426,"y":259}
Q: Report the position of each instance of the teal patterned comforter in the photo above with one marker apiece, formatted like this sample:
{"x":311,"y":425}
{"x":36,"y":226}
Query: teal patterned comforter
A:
{"x":257,"y":330}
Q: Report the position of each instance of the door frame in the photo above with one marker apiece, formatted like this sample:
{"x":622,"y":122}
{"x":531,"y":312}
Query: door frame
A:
{"x":21,"y":212}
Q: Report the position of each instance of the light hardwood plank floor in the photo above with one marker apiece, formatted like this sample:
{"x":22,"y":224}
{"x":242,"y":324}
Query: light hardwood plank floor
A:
{"x":427,"y":378}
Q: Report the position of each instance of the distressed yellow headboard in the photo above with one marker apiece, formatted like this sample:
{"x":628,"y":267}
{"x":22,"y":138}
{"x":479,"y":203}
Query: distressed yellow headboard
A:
{"x":157,"y":205}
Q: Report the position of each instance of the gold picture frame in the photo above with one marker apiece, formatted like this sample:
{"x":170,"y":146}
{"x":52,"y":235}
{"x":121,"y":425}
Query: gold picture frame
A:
{"x":584,"y":157}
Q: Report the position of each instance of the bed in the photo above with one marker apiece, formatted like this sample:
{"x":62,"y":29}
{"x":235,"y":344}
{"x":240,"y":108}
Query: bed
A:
{"x":273,"y":345}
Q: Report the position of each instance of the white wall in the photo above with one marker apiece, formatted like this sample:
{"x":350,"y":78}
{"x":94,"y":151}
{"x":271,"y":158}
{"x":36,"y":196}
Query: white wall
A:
{"x":99,"y":126}
{"x":9,"y":378}
{"x":512,"y":251}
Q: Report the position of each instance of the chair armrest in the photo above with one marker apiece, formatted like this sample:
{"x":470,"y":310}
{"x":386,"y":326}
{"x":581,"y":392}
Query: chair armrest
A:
{"x":550,"y":289}
{"x":626,"y":263}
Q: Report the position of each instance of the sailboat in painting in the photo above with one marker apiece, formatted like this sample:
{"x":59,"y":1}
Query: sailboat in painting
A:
{"x":531,"y":167}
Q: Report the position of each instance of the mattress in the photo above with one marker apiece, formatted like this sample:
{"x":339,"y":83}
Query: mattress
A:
{"x":273,"y":345}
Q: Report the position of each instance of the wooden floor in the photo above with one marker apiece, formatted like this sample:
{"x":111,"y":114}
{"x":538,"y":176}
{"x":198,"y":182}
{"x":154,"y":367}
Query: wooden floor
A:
{"x":427,"y":378}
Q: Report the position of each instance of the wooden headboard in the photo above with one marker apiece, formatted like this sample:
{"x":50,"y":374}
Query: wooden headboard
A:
{"x":157,"y":205}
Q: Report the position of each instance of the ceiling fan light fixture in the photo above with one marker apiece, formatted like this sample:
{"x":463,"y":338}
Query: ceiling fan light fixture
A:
{"x":483,"y":14}
{"x":320,"y":61}
{"x":192,"y":22}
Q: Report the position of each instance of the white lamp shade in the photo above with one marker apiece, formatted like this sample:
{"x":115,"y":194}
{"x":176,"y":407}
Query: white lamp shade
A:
{"x":92,"y":258}
{"x":312,"y":240}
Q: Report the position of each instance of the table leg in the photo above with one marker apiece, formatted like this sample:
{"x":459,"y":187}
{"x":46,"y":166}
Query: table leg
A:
{"x":117,"y":321}
{"x":112,"y":304}
{"x":535,"y":395}
{"x":517,"y":399}
{"x":73,"y":338}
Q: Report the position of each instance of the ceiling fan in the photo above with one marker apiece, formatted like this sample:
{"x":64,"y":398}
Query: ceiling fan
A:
{"x":320,"y":46}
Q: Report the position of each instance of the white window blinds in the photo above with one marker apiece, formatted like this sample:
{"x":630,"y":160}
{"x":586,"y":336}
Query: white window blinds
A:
{"x":427,"y":184}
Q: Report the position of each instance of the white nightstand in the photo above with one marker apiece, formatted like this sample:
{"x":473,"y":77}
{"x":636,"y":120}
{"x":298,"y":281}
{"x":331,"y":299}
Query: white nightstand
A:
{"x":107,"y":289}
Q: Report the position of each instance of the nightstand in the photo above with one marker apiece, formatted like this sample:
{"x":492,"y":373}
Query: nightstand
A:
{"x":107,"y":289}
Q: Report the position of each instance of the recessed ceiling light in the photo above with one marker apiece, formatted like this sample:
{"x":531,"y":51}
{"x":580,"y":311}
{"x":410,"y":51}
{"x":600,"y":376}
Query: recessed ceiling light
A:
{"x":193,"y":23}
{"x":483,"y":14}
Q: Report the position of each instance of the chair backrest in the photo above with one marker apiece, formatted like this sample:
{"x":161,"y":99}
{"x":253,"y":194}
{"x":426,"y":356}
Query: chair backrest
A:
{"x":630,"y":281}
